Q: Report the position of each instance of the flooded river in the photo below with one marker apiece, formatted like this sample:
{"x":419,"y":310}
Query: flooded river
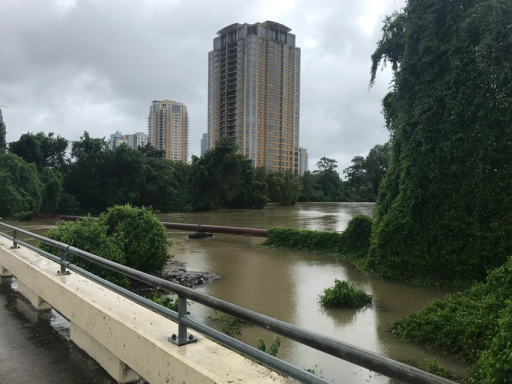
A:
{"x":286,"y":284}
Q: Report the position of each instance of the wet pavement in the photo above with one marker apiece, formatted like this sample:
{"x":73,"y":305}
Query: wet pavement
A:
{"x":35,"y":345}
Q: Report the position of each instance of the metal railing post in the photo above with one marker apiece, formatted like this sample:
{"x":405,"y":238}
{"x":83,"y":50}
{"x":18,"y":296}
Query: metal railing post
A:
{"x":14,"y":238}
{"x":63,"y":270}
{"x":183,"y":337}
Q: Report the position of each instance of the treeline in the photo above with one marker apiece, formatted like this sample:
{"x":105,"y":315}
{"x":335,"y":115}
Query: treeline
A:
{"x":44,"y":173}
{"x":37,"y":175}
{"x":362,"y":182}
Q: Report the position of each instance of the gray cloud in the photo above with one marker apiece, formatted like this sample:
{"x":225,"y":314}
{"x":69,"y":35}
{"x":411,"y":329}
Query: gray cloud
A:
{"x":70,"y":66}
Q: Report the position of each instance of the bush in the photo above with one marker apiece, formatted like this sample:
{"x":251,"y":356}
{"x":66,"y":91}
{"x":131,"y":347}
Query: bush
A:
{"x":21,"y":191}
{"x":91,"y":236}
{"x":344,"y":294}
{"x":353,"y":243}
{"x":495,"y":364}
{"x":143,"y":237}
{"x":126,"y":235}
{"x":463,"y":324}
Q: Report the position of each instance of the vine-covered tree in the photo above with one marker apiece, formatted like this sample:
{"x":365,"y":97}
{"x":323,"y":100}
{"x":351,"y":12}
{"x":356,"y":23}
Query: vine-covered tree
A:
{"x":444,"y":210}
{"x":41,"y":150}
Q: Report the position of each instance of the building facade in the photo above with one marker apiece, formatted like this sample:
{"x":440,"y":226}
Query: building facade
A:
{"x":204,"y":143}
{"x":115,"y":140}
{"x":254,"y":93}
{"x":168,"y":129}
{"x":303,"y":160}
{"x":132,"y":141}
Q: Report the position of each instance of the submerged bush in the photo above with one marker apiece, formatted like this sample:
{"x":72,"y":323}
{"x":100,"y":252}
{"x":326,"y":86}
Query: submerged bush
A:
{"x":475,"y":326}
{"x":126,"y":235}
{"x":143,"y":236}
{"x":91,"y":236}
{"x":344,"y":294}
{"x":353,"y":243}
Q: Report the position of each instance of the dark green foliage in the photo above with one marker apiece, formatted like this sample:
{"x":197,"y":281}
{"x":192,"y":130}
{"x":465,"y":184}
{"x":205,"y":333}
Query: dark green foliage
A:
{"x":274,"y":347}
{"x":232,"y":325}
{"x":21,"y":191}
{"x":495,"y":364}
{"x":283,"y":187}
{"x":52,"y":192}
{"x":463,"y":324}
{"x":433,"y":366}
{"x":343,"y":295}
{"x":41,"y":150}
{"x":353,"y":243}
{"x":3,"y":145}
{"x":91,"y":236}
{"x":222,"y":177}
{"x":143,"y":237}
{"x":376,"y":165}
{"x":130,"y":236}
{"x":165,"y":301}
{"x":444,"y":210}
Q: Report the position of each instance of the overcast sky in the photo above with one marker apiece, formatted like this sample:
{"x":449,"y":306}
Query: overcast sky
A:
{"x":69,"y":66}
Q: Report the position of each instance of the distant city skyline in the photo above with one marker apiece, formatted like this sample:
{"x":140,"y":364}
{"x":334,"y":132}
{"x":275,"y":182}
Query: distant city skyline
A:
{"x":106,"y":62}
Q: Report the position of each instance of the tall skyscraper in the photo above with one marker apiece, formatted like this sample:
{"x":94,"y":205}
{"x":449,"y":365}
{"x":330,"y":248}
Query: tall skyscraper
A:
{"x":303,"y":160}
{"x":168,"y":129}
{"x":254,"y":93}
{"x":204,"y":143}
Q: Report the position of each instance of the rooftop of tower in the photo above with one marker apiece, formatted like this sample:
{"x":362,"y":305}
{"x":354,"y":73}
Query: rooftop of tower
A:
{"x":269,"y":23}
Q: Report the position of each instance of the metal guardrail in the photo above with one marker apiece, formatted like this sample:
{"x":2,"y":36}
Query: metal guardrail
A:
{"x":180,"y":226}
{"x":345,"y":351}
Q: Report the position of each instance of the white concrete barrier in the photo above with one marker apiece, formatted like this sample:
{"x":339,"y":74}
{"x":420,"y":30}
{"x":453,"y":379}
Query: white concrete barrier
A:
{"x":126,"y":339}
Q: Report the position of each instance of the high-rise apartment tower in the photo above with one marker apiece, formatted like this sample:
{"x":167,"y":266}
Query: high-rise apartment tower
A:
{"x":303,"y":160}
{"x":253,"y":93}
{"x":204,"y":143}
{"x":168,"y":129}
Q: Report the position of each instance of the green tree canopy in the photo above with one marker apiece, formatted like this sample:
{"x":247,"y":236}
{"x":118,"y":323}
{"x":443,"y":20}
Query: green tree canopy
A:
{"x":41,"y":150}
{"x":21,"y":190}
{"x":3,"y":132}
{"x":376,"y":165}
{"x":445,"y":208}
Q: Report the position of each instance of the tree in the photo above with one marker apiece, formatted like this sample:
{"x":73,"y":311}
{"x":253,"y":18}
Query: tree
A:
{"x":151,"y":152}
{"x":219,"y":176}
{"x":21,"y":190}
{"x":376,"y":165}
{"x":444,"y":209}
{"x":41,"y":150}
{"x":52,"y":190}
{"x":86,"y":177}
{"x":329,"y":179}
{"x":283,"y":187}
{"x":2,"y":138}
{"x":355,"y":171}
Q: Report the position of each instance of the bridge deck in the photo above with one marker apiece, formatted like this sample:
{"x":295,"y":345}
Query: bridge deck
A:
{"x":32,"y":350}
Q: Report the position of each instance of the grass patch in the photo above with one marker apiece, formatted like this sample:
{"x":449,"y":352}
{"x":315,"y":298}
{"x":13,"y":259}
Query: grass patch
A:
{"x":343,"y":295}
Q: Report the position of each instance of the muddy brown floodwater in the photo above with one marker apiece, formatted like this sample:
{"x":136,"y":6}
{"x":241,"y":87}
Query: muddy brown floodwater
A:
{"x":285,"y":285}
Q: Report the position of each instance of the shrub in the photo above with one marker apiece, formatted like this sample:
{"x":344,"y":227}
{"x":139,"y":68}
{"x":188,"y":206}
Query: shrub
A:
{"x":91,"y":236}
{"x":353,"y":243}
{"x":495,"y":364}
{"x":344,"y":294}
{"x":143,"y":237}
{"x":463,"y":324}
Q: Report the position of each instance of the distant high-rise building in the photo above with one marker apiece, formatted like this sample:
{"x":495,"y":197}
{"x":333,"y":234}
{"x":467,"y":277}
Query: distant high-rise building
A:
{"x":303,"y":160}
{"x":139,"y":139}
{"x":204,"y":143}
{"x":168,"y":129}
{"x":253,"y":93}
{"x":115,"y":141}
{"x":132,"y":141}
